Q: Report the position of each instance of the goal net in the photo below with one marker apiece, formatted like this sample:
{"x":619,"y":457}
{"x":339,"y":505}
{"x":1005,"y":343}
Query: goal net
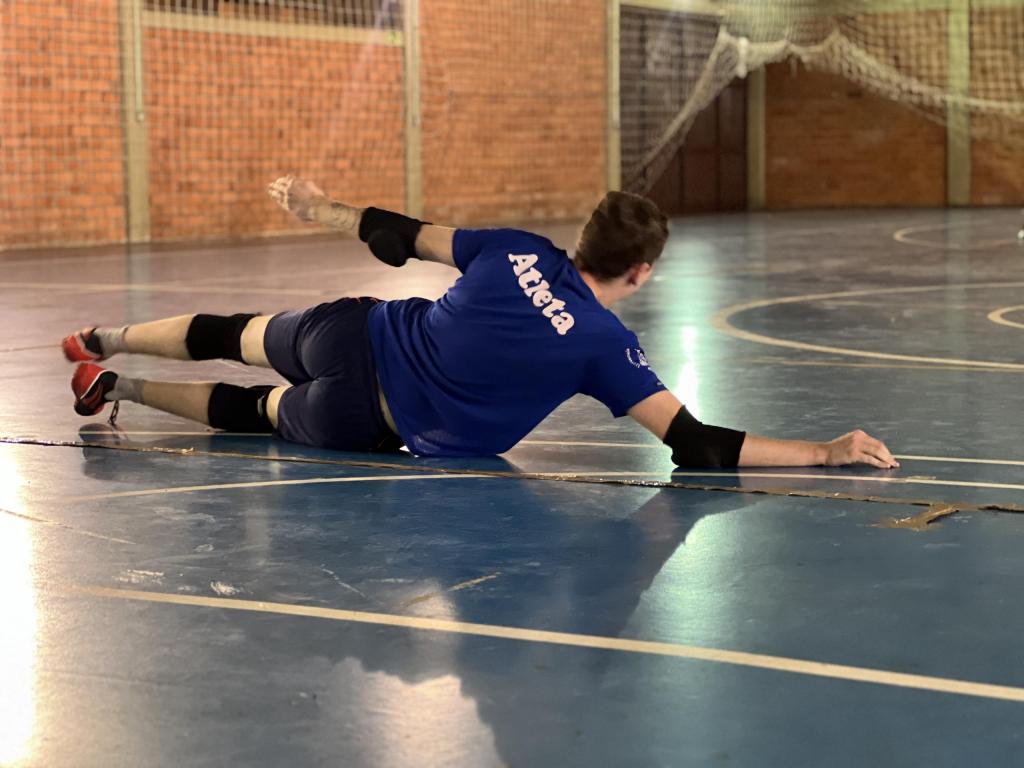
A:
{"x":959,"y":62}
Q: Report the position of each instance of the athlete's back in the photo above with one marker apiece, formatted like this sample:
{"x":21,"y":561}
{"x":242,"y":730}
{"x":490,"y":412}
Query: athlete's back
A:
{"x":518,"y":334}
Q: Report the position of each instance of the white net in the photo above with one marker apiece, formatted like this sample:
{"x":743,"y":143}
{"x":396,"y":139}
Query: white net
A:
{"x":955,"y":61}
{"x":165,"y":119}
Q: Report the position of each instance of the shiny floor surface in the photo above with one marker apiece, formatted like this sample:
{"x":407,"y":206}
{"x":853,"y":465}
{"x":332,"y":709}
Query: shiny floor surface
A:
{"x":171,"y":596}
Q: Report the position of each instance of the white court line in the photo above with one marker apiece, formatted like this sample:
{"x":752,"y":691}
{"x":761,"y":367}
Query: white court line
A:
{"x":903,"y":236}
{"x":586,"y":444}
{"x":996,"y":316}
{"x":586,"y":474}
{"x":739,"y":475}
{"x":186,"y":251}
{"x":347,"y":271}
{"x":720,"y":321}
{"x":697,"y":653}
{"x":780,"y":361}
{"x":168,"y":288}
{"x":952,"y":460}
{"x":263,"y":484}
{"x":742,"y":474}
{"x":65,"y":526}
{"x":908,"y":457}
{"x":159,"y":433}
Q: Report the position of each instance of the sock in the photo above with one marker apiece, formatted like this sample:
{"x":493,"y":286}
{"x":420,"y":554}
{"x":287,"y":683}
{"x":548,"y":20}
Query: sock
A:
{"x":111,"y":340}
{"x":126,"y":389}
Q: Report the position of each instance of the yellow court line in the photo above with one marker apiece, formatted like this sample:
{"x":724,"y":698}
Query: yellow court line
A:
{"x":720,"y":321}
{"x":697,"y":653}
{"x":262,"y":484}
{"x":903,"y":236}
{"x":996,"y":316}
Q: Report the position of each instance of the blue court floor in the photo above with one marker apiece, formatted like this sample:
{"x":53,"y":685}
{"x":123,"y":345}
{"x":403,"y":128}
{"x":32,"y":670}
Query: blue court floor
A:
{"x":170,"y":596}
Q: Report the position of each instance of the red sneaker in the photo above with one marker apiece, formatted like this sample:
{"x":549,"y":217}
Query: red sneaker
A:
{"x":82,"y":346}
{"x":91,"y":385}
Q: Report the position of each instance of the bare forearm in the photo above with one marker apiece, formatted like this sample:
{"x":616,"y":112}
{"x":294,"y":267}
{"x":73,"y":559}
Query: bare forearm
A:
{"x":766,"y":452}
{"x":337,"y":215}
{"x":433,"y":243}
{"x":308,"y":202}
{"x":666,"y":418}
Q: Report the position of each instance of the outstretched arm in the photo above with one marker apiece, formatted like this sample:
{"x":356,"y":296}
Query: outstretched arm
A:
{"x":659,"y":411}
{"x":307,"y":201}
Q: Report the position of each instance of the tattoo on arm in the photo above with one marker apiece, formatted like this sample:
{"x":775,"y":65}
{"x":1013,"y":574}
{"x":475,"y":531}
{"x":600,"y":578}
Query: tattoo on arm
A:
{"x":339,"y":216}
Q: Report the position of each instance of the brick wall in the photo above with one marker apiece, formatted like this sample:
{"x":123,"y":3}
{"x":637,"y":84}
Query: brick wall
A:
{"x":830,"y":143}
{"x":513,"y":110}
{"x":997,"y":164}
{"x":997,"y":173}
{"x":61,"y":174}
{"x":227,"y":114}
{"x":513,"y":119}
{"x":513,"y":122}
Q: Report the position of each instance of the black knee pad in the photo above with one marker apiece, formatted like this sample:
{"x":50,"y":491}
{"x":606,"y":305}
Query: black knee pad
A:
{"x":239,"y":409}
{"x":216,"y":337}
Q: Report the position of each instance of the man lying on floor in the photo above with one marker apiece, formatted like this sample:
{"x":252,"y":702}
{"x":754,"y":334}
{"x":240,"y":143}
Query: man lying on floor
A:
{"x":520,"y":332}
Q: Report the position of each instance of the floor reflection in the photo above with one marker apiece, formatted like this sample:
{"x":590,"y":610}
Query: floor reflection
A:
{"x":18,"y":619}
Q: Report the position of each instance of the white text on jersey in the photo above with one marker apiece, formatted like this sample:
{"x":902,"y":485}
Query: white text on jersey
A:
{"x":537,"y":289}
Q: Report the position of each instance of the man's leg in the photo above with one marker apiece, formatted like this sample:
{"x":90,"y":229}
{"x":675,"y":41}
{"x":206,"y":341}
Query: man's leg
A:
{"x":186,"y":337}
{"x":223,"y":406}
{"x":252,"y":349}
{"x":193,"y":401}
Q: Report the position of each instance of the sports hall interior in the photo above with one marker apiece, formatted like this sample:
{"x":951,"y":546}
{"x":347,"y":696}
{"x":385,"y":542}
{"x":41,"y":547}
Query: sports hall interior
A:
{"x":845,"y":184}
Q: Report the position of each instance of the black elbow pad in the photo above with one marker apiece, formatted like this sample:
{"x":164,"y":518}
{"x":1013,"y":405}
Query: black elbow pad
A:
{"x":700,"y":445}
{"x":391,"y":236}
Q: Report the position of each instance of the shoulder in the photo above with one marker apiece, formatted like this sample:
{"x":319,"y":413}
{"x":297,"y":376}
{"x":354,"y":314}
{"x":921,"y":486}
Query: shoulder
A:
{"x":493,"y":246}
{"x":617,"y":342}
{"x":612,"y":330}
{"x":505,"y":239}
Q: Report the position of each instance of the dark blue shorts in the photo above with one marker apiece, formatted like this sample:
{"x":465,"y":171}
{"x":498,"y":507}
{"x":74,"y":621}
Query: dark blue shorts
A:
{"x":325,"y":353}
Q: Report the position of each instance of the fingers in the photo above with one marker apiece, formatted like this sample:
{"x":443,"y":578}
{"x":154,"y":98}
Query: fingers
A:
{"x":877,"y":449}
{"x":280,"y":185}
{"x":867,"y":458}
{"x":279,"y":189}
{"x":874,"y":452}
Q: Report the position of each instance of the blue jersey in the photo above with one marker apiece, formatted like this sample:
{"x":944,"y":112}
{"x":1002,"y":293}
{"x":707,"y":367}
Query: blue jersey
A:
{"x":518,"y":334}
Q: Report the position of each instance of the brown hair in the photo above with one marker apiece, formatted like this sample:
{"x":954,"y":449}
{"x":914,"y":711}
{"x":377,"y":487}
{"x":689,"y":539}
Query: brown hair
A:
{"x":623,"y":231}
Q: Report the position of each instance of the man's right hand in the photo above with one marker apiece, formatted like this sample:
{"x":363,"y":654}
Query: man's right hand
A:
{"x":858,"y":447}
{"x":297,"y":196}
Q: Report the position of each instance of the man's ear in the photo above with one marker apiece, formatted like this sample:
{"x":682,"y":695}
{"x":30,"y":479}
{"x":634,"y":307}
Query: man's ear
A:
{"x":639,"y":273}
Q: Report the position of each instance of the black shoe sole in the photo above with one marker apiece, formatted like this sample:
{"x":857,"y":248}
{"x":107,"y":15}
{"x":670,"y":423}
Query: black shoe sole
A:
{"x":87,"y":405}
